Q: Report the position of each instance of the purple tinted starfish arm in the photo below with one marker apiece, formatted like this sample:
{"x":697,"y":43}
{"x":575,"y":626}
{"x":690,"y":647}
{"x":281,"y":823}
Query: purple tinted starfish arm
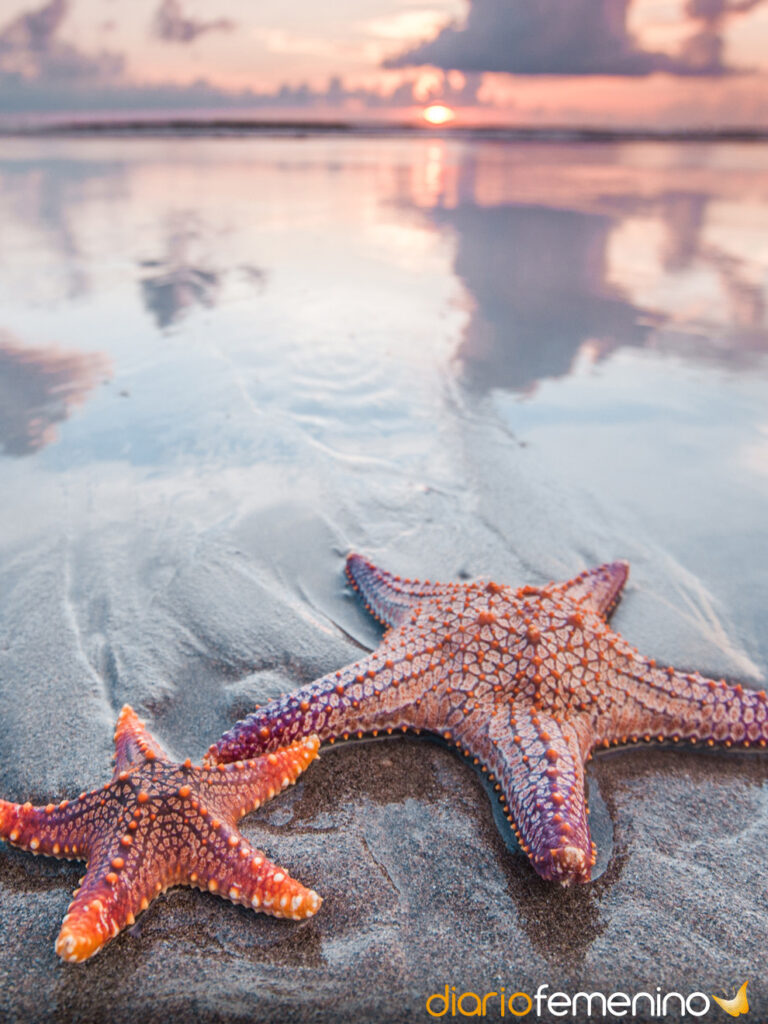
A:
{"x":366,"y":696}
{"x":539,"y":765}
{"x":597,"y":590}
{"x":372,"y":693}
{"x":419,"y":656}
{"x":231,"y":791}
{"x":389,"y":598}
{"x":664,"y":704}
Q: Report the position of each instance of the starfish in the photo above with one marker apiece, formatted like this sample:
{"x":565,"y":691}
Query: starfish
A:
{"x":528,"y":682}
{"x":158,"y":824}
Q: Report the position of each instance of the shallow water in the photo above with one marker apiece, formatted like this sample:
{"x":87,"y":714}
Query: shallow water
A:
{"x":458,"y":358}
{"x":224,"y":363}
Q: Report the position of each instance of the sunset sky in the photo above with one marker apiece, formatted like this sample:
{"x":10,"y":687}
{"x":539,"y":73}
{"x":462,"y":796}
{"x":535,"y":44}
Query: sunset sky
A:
{"x":636,"y":63}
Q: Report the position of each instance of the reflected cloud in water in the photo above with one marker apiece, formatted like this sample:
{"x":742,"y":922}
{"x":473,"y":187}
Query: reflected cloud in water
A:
{"x":39,"y":388}
{"x":172,"y":291}
{"x":568,"y":252}
{"x":178,"y":283}
{"x":564,"y":252}
{"x":539,"y":289}
{"x":43,"y":205}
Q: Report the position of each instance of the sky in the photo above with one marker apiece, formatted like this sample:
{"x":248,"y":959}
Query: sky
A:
{"x":606,"y":63}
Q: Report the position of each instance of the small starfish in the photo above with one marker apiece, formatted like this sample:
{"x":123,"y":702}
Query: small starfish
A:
{"x":158,"y":824}
{"x":528,"y":682}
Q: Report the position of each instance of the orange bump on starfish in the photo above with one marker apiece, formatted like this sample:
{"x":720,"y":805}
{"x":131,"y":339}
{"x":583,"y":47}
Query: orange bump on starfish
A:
{"x":158,"y":824}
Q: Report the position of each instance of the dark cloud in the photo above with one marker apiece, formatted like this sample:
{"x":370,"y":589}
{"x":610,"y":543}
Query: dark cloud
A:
{"x":31,"y":51}
{"x":172,"y":25}
{"x":40,"y":72}
{"x":569,"y":37}
{"x":337,"y":94}
{"x":19,"y":95}
{"x":705,"y":48}
{"x":715,"y":9}
{"x":34,"y":31}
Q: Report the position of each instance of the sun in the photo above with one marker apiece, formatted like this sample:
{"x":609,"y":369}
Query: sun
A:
{"x":438,"y":113}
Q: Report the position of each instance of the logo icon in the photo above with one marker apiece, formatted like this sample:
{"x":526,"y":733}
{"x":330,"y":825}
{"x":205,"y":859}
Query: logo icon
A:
{"x":736,"y":1006}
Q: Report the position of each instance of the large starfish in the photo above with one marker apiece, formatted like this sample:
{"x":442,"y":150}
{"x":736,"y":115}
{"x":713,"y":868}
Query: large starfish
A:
{"x":158,"y":824}
{"x":528,"y":682}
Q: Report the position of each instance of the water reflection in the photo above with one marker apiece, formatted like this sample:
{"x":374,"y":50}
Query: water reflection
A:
{"x":176,"y":283}
{"x":171,"y":291}
{"x":539,"y":288}
{"x":577,"y":251}
{"x":185,"y":277}
{"x":42,"y":204}
{"x":40,"y":387}
{"x":562,"y":251}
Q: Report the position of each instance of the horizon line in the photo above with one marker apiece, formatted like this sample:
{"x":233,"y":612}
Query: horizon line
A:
{"x":218,"y":124}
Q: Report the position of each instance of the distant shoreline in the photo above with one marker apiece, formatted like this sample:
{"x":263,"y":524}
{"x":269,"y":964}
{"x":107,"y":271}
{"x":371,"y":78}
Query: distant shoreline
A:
{"x":239,"y":127}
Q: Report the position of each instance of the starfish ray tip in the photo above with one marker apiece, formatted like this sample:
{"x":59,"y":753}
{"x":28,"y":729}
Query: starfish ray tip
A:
{"x":570,"y":864}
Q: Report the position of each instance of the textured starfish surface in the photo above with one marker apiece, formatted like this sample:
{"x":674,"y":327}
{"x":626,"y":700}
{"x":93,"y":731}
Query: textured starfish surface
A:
{"x":528,"y":682}
{"x":158,"y":824}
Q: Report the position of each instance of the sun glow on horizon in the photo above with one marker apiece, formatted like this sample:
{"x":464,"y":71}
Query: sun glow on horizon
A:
{"x":438,"y":113}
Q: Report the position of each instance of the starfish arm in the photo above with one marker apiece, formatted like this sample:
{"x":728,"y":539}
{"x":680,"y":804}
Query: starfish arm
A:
{"x":239,"y":872}
{"x":666,"y":704}
{"x":597,"y":589}
{"x":539,"y":765}
{"x":378,"y":692}
{"x":56,"y":830}
{"x":389,"y":598}
{"x":119,"y":883}
{"x":385,"y":689}
{"x":233,"y":790}
{"x":134,"y":743}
